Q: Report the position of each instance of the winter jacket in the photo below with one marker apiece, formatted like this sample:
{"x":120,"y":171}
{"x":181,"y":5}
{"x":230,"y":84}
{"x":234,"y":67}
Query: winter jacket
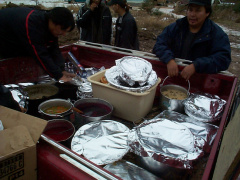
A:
{"x":210,"y":51}
{"x":126,"y":32}
{"x":25,"y":32}
{"x":95,"y":26}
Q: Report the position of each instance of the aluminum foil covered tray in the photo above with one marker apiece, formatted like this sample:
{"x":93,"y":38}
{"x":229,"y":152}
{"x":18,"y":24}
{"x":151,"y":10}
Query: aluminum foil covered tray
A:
{"x":134,"y":70}
{"x":129,"y":171}
{"x":205,"y":132}
{"x":166,"y":141}
{"x":204,"y":107}
{"x":113,"y":77}
{"x":102,"y":142}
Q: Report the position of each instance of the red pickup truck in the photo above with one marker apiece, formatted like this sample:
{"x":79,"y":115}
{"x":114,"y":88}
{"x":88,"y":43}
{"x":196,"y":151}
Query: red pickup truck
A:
{"x":52,"y":166}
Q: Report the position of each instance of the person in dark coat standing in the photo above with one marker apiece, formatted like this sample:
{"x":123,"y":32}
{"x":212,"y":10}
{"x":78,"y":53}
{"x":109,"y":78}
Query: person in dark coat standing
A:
{"x":196,"y":38}
{"x":29,"y":32}
{"x":94,"y":22}
{"x":126,"y":28}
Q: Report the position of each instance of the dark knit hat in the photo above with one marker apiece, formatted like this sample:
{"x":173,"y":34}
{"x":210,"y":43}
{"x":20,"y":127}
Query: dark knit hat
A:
{"x":200,"y":2}
{"x":112,"y":2}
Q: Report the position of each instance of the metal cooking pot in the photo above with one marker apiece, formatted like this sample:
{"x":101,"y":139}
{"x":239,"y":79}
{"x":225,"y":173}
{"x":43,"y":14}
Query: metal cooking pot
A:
{"x":59,"y":130}
{"x":36,"y":94}
{"x":172,"y":104}
{"x":40,"y":91}
{"x":55,"y":102}
{"x":94,"y":109}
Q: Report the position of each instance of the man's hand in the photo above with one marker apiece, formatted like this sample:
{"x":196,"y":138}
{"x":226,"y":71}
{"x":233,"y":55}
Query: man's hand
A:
{"x":188,"y":71}
{"x":67,"y":76}
{"x":172,"y":68}
{"x":23,"y":110}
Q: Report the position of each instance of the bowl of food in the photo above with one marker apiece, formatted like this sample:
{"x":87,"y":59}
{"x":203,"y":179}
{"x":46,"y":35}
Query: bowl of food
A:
{"x":59,"y":130}
{"x":55,"y":108}
{"x":93,"y":109}
{"x":172,"y":97}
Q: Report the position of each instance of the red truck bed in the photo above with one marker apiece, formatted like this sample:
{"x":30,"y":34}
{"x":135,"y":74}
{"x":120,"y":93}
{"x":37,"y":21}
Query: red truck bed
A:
{"x":50,"y":164}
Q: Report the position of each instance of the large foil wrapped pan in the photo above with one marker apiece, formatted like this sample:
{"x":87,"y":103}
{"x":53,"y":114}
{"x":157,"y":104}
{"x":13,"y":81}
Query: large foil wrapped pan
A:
{"x":204,"y":132}
{"x":165,"y":141}
{"x":129,"y":171}
{"x":102,"y":142}
{"x":134,"y":70}
{"x":204,"y":107}
{"x":113,"y":77}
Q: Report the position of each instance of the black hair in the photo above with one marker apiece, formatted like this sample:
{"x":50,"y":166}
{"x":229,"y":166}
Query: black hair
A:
{"x":91,"y":1}
{"x":63,"y":17}
{"x":124,"y":5}
{"x":208,"y":9}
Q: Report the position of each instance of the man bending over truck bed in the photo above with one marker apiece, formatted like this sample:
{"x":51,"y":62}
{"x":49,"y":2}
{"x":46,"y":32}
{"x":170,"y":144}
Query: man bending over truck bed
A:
{"x":29,"y":32}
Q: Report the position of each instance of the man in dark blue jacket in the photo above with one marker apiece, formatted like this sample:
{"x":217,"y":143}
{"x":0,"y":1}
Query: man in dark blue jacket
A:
{"x":29,"y":32}
{"x":196,"y":38}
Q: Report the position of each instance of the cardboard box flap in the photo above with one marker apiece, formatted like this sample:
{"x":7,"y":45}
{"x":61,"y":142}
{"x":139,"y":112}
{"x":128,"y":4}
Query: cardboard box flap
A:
{"x":11,"y":118}
{"x":14,"y":139}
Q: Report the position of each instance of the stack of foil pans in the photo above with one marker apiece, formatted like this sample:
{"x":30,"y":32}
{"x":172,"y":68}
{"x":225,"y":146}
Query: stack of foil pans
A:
{"x":132,"y":74}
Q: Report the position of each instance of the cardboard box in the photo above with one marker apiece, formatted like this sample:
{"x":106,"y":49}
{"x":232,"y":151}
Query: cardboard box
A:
{"x":131,"y":106}
{"x":18,"y":156}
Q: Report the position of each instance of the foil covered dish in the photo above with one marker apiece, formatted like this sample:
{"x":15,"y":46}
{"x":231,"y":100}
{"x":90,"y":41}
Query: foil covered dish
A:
{"x":134,"y":70}
{"x":172,"y":139}
{"x":204,"y":107}
{"x":102,"y":142}
{"x":131,"y":74}
{"x":129,"y":171}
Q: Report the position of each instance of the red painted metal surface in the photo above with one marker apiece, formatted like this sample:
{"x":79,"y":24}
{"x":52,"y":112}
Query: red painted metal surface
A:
{"x":52,"y":166}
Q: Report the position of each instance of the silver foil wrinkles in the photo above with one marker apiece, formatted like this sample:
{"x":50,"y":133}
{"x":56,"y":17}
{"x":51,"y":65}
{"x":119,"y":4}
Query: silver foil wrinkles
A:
{"x":132,"y":74}
{"x":204,"y":107}
{"x":173,"y":139}
{"x":101,"y":142}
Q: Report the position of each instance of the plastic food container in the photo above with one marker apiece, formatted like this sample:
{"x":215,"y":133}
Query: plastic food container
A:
{"x":130,"y":106}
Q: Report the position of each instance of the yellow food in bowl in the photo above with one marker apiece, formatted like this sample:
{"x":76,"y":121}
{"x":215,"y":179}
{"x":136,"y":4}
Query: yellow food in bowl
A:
{"x":174,"y":94}
{"x":55,"y":110}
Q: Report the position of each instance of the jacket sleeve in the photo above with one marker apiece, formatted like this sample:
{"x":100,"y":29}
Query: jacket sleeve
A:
{"x":162,"y":47}
{"x":219,"y":58}
{"x":84,"y":17}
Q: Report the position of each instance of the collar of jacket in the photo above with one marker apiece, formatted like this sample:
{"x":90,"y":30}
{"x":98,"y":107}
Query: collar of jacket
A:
{"x":124,"y":14}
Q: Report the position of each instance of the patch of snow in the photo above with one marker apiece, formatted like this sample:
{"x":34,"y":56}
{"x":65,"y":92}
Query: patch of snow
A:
{"x":169,"y":12}
{"x":45,"y":3}
{"x":230,"y":31}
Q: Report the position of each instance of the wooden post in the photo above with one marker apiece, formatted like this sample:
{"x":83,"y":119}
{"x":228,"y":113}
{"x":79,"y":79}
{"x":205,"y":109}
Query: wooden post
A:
{"x":229,"y":154}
